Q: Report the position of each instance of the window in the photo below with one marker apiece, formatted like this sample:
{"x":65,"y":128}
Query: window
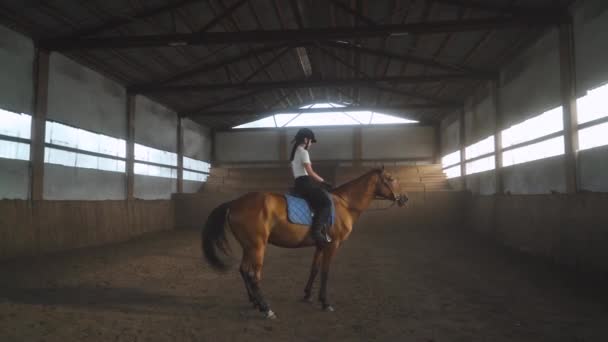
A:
{"x":64,"y":135}
{"x":453,"y":171}
{"x":593,"y":136}
{"x":480,"y":165}
{"x":17,"y":126}
{"x":480,"y":148}
{"x":152,"y":155}
{"x":451,"y":159}
{"x":594,"y":105}
{"x":195,"y":176}
{"x":538,"y":137}
{"x":544,"y":149}
{"x":451,"y":164}
{"x":548,"y":122}
{"x":82,"y":160}
{"x":195,"y":170}
{"x":14,"y":150}
{"x":332,"y":118}
{"x":147,"y":156}
{"x":62,"y":140}
{"x":154,"y":170}
{"x":196,"y":165}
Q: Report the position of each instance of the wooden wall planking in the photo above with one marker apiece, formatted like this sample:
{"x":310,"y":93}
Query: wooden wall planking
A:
{"x":36,"y":227}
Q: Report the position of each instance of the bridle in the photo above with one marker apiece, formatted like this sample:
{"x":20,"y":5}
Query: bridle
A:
{"x":397,"y":199}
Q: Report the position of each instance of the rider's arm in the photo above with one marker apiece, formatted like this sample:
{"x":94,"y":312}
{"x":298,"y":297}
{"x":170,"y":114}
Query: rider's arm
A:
{"x":312,"y":173}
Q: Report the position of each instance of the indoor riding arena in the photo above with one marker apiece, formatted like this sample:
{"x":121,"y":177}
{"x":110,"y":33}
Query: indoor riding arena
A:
{"x":144,"y":145}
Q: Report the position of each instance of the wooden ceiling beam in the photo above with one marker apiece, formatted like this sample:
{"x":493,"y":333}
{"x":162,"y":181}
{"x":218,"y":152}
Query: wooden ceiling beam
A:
{"x":308,"y":83}
{"x":196,"y":70}
{"x":226,"y":100}
{"x":384,"y":109}
{"x":226,"y":13}
{"x":408,"y":58}
{"x":299,"y":35}
{"x":509,"y":9}
{"x":367,"y":20}
{"x":118,"y":22}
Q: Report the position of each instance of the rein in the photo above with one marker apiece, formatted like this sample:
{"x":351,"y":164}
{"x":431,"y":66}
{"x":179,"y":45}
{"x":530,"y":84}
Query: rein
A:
{"x":385,"y":208}
{"x":375,"y":198}
{"x":396,"y":198}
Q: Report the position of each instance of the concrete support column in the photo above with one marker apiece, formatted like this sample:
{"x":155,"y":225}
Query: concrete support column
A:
{"x":357,"y":146}
{"x":462,"y":142}
{"x":38,"y":128}
{"x":213,"y":156}
{"x":568,"y":96}
{"x":130,"y":162}
{"x":180,"y":155}
{"x":437,"y":158}
{"x":494,"y":88}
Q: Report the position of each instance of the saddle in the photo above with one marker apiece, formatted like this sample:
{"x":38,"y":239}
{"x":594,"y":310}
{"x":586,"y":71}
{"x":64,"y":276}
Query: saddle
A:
{"x":299,"y":211}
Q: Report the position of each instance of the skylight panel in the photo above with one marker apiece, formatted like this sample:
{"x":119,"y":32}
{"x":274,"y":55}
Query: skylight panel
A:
{"x":322,"y":119}
{"x":282,"y":119}
{"x":265,"y":122}
{"x":330,"y":118}
{"x":381,"y":119}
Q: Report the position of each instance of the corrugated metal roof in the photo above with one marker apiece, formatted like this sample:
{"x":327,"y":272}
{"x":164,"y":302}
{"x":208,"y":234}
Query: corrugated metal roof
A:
{"x":484,"y":50}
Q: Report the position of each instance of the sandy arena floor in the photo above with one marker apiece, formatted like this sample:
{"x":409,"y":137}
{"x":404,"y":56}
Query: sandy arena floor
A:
{"x":389,"y":283}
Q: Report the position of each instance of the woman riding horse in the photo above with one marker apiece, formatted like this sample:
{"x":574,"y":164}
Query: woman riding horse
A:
{"x":306,"y":187}
{"x":259,"y":218}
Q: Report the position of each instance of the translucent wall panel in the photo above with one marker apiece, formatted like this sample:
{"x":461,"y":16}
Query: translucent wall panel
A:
{"x":480,"y":165}
{"x":544,"y":149}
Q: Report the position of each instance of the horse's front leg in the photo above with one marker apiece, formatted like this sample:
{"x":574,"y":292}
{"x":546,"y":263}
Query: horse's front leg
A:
{"x":314,"y":270}
{"x":328,"y":254}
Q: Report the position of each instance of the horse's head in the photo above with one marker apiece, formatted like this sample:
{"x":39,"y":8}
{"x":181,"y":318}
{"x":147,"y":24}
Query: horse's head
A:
{"x":388,"y":188}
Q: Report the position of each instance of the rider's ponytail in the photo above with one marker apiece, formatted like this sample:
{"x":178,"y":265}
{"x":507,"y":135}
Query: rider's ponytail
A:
{"x":293,"y":151}
{"x":297,"y":142}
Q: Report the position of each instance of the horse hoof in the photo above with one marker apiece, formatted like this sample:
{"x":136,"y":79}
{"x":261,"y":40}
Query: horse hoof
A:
{"x":270,"y":315}
{"x":328,"y":308}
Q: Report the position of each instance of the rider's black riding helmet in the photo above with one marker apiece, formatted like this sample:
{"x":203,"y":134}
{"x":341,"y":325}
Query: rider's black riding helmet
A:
{"x":305,"y":133}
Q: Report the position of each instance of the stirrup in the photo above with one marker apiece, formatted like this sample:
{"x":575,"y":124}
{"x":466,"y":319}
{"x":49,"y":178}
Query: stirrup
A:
{"x":321,"y":238}
{"x":324,"y":233}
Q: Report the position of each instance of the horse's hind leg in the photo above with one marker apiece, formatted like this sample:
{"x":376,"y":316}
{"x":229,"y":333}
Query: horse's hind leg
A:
{"x":248,"y":287}
{"x":314,"y":270}
{"x":251,"y":268}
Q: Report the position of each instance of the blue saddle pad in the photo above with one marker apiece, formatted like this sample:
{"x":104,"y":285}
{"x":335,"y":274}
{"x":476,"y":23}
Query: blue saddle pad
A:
{"x":299,"y":212}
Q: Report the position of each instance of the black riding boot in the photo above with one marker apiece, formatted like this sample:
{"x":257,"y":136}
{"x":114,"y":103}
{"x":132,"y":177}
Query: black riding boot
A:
{"x":318,"y":231}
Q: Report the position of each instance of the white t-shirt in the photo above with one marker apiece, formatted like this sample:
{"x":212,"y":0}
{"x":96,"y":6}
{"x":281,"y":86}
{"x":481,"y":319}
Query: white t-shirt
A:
{"x":299,"y":159}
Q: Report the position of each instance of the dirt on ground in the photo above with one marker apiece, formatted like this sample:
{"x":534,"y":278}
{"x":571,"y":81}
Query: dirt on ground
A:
{"x":389,"y":282}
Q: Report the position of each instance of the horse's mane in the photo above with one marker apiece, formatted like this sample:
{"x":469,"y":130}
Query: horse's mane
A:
{"x":347,"y":184}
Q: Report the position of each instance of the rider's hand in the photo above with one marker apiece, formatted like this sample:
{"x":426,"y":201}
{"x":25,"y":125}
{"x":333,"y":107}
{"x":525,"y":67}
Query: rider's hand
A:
{"x":327,"y":186}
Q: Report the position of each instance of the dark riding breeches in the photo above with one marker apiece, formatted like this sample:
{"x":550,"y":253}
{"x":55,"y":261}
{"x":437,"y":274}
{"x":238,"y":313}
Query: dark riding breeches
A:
{"x":306,"y":187}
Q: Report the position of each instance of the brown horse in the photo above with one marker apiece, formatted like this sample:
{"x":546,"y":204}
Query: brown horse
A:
{"x":259,"y":218}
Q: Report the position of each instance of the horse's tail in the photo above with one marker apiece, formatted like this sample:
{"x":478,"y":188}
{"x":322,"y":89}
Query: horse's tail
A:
{"x":214,"y":236}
